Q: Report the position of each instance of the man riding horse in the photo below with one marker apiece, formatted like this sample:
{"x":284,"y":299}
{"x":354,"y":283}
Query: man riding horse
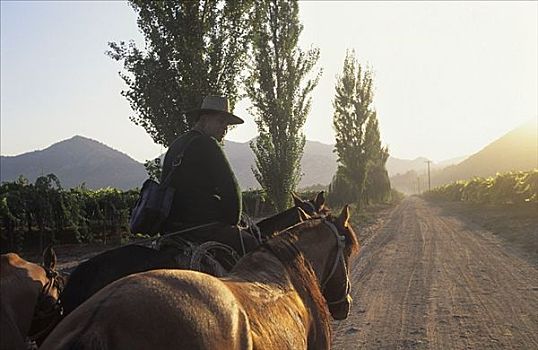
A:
{"x":206,"y":190}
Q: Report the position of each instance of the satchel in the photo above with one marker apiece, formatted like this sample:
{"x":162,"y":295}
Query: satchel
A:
{"x":155,"y":201}
{"x":152,"y":208}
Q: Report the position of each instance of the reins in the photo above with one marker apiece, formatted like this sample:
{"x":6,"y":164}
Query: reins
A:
{"x":252,"y":227}
{"x":171,"y":234}
{"x":341,"y":241}
{"x":56,"y":309}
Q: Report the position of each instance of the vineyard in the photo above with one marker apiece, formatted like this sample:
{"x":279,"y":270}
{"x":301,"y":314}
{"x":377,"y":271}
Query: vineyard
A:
{"x":507,"y":188}
{"x":43,"y":212}
{"x":34,"y":215}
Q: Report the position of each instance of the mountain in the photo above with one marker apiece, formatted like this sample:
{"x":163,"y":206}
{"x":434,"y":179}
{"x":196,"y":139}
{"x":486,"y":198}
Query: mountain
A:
{"x":400,"y":166}
{"x":448,"y":162}
{"x":80,"y":159}
{"x":75,"y":161}
{"x":318,"y":164}
{"x":397,"y":166}
{"x":517,"y":150}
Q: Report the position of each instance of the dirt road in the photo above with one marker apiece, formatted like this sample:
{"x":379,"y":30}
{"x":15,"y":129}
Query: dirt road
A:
{"x":429,"y":280}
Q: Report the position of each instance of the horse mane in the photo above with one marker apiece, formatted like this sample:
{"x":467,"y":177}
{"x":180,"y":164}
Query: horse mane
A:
{"x":304,"y":280}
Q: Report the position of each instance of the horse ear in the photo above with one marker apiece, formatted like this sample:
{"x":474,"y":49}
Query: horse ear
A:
{"x":320,"y":200}
{"x":344,"y":216}
{"x":297,"y":201}
{"x":49,"y":258}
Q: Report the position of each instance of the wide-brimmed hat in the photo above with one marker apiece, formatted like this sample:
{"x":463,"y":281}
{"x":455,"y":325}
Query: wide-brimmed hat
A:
{"x":218,"y":104}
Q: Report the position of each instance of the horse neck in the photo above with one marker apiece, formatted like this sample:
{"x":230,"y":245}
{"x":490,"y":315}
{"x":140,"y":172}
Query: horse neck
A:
{"x":313,"y":247}
{"x":279,"y":222}
{"x":283,"y":267}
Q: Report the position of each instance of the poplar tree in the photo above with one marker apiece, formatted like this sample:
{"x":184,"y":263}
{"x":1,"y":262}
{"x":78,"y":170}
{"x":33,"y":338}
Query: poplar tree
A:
{"x":192,"y":49}
{"x":340,"y":190}
{"x":352,"y":111}
{"x":279,"y":89}
{"x":377,"y":186}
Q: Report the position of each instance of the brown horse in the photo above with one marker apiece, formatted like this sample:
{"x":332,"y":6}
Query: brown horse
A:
{"x":107,"y":267}
{"x":28,"y":299}
{"x":275,"y":298}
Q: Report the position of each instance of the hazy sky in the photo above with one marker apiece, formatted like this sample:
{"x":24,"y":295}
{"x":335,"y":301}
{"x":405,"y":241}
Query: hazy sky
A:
{"x":450,"y":77}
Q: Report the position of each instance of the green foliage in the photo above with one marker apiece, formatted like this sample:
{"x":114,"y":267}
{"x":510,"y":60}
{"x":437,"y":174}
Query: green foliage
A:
{"x":358,"y":144}
{"x":507,"y":188}
{"x":377,"y":186}
{"x":153,"y":168}
{"x":192,"y":49}
{"x":279,"y":90}
{"x":340,"y":190}
{"x":43,"y":212}
{"x":256,"y":204}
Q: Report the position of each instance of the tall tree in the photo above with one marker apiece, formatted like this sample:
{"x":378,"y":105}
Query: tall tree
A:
{"x":279,"y":88}
{"x":192,"y":48}
{"x":340,"y":190}
{"x":377,"y":186}
{"x":352,"y":111}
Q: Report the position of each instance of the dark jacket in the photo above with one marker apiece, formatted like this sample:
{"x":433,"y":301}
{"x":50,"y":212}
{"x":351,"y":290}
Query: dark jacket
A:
{"x":206,"y":187}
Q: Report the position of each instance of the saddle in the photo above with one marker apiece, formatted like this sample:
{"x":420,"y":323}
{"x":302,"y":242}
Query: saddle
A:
{"x":210,"y":257}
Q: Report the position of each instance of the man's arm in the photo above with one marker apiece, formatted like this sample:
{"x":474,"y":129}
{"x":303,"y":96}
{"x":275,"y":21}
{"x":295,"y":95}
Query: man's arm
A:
{"x":225,"y":181}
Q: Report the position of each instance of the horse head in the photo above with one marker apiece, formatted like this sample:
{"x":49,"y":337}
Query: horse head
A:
{"x":329,"y":249}
{"x":336,"y":286}
{"x":312,"y":207}
{"x":301,"y":211}
{"x":48,"y":310}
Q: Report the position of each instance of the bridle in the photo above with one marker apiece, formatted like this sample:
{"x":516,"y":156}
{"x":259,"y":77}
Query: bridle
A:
{"x":47,"y":308}
{"x":311,"y":206}
{"x":341,"y":244}
{"x":341,"y":241}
